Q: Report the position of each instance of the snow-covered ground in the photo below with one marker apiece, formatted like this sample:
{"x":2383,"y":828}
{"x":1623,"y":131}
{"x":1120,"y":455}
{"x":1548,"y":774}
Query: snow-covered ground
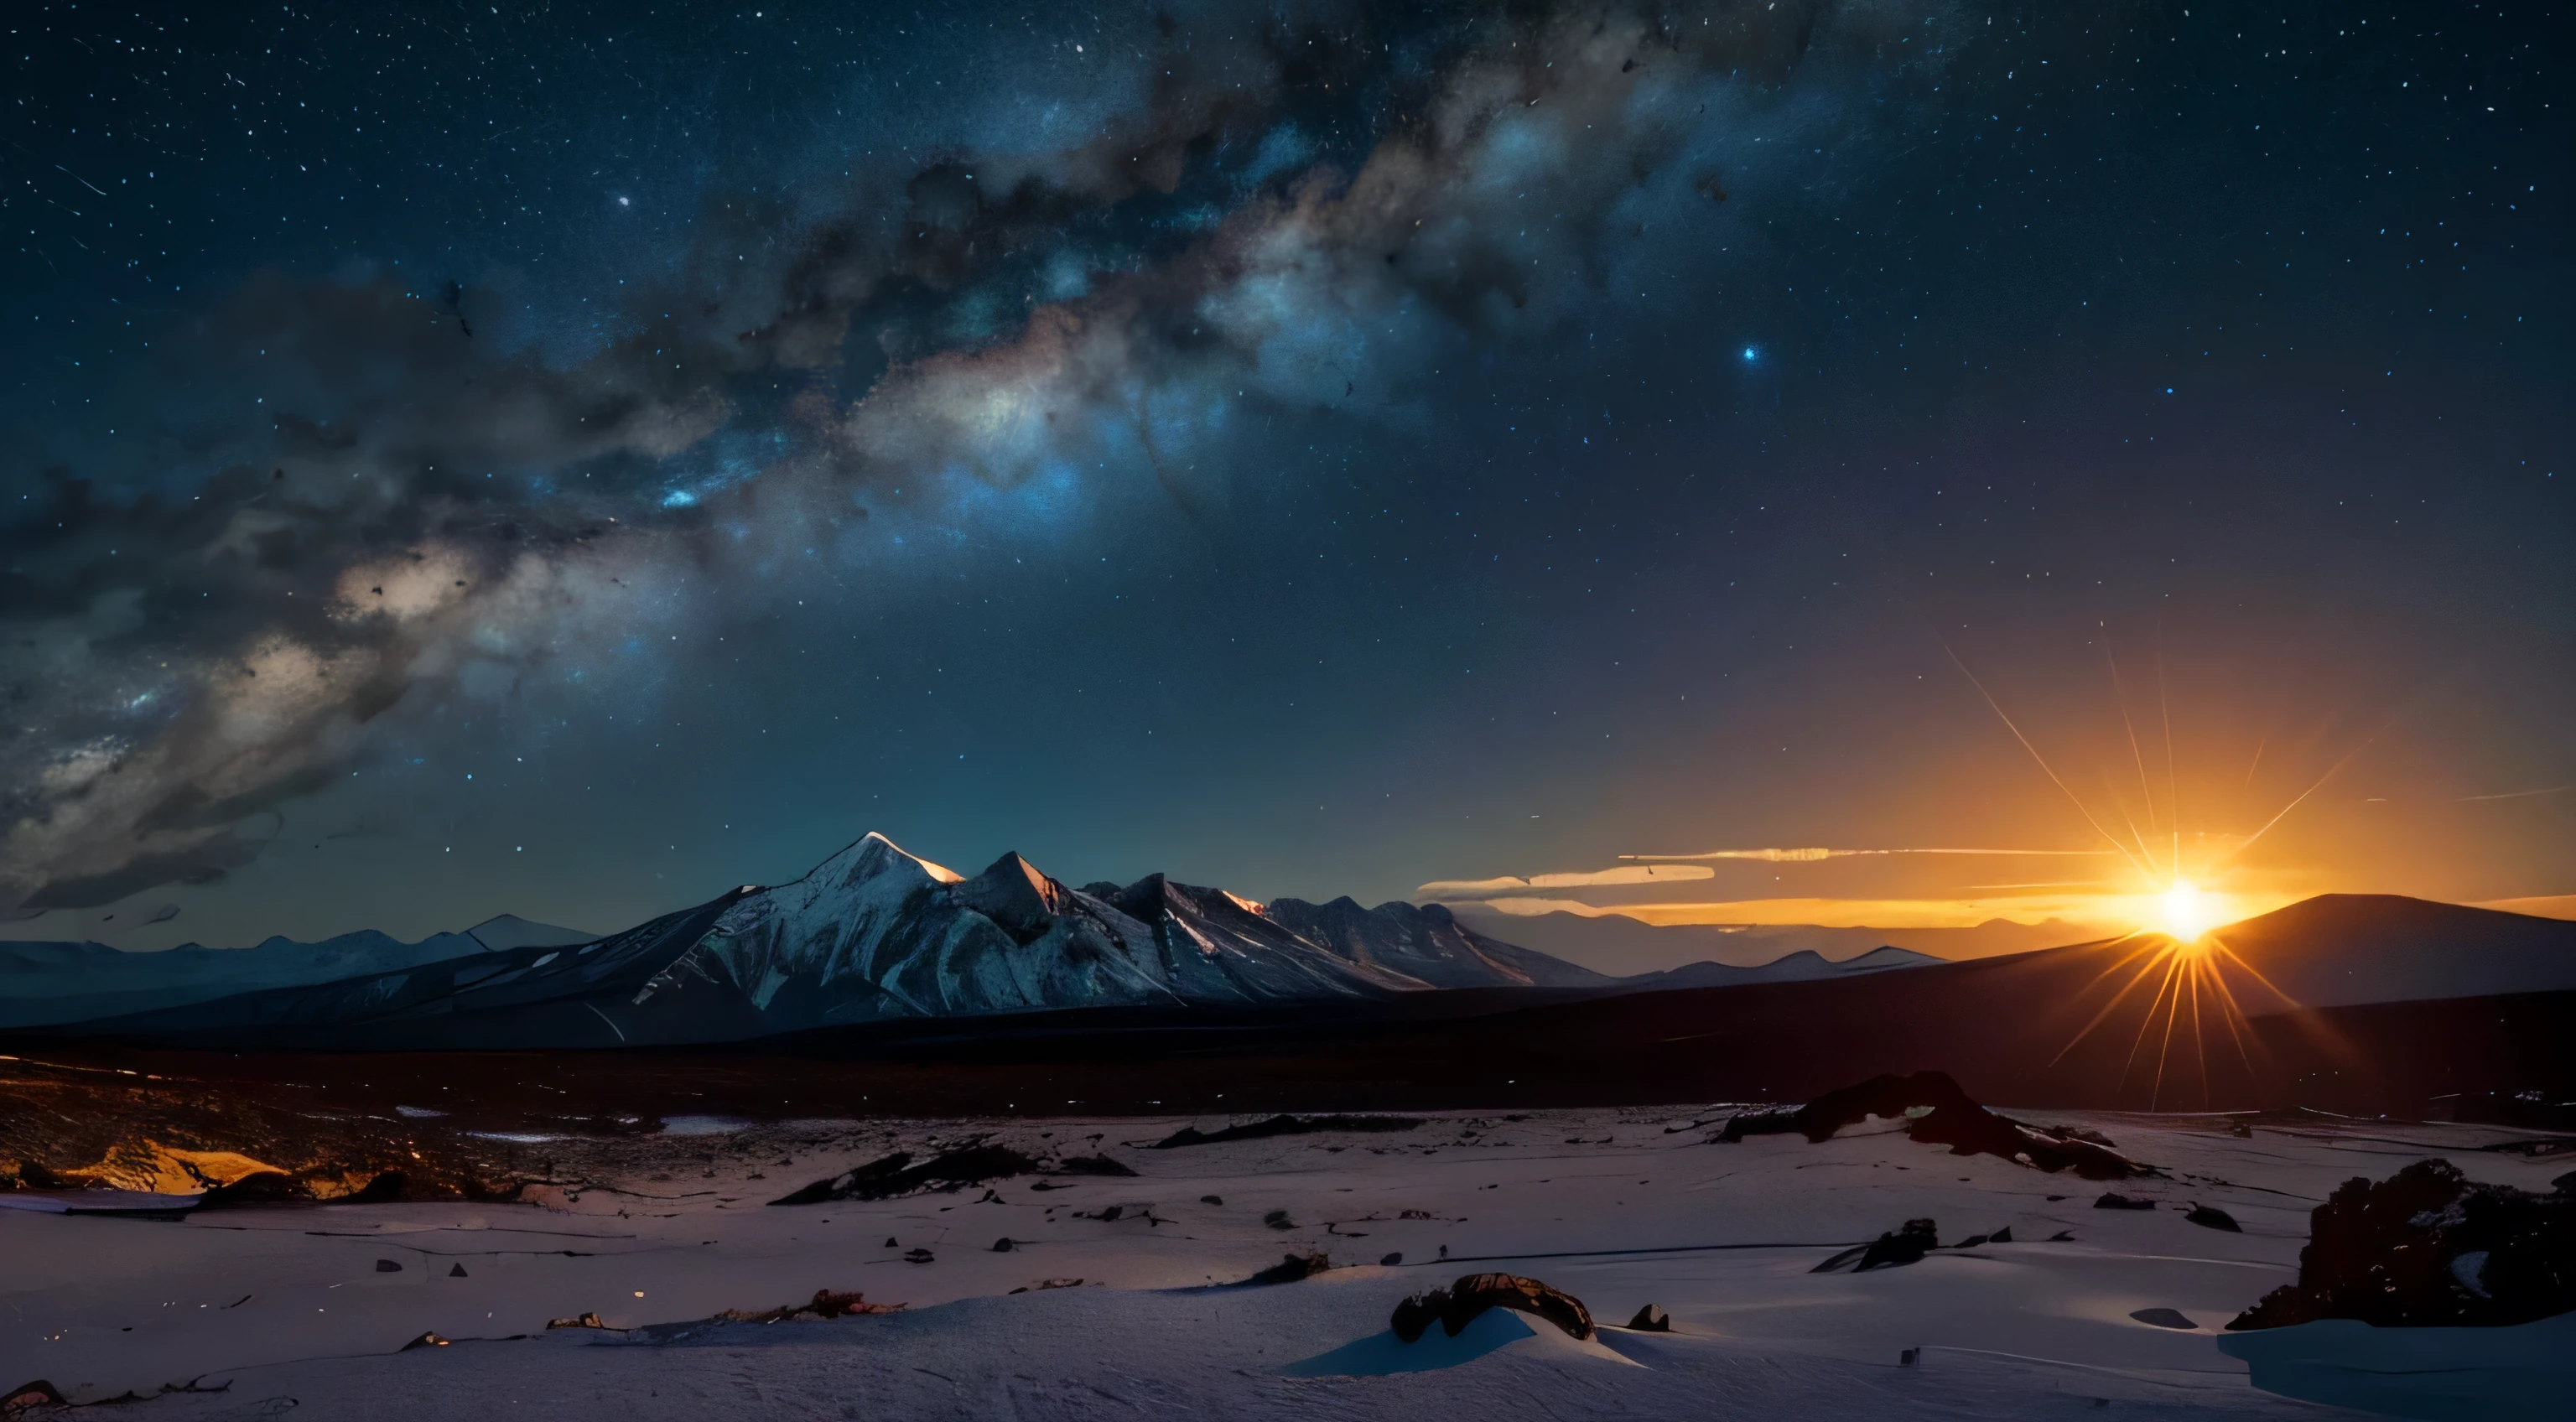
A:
{"x":293,"y":1308}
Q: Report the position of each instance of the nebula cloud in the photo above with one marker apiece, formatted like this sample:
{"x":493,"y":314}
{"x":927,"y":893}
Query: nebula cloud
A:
{"x":1307,"y":212}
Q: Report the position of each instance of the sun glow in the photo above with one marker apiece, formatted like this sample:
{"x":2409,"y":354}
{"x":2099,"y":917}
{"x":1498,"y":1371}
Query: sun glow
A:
{"x":2184,"y":913}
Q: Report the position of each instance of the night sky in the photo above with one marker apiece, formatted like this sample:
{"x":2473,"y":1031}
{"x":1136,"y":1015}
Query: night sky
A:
{"x":572,"y":460}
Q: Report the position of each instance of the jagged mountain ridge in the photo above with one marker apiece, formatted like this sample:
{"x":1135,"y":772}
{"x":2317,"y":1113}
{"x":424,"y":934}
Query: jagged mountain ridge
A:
{"x":874,"y":934}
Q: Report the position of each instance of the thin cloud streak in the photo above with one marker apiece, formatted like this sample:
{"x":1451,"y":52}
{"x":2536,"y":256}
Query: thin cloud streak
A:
{"x":1807,"y":856}
{"x":1507,"y":884}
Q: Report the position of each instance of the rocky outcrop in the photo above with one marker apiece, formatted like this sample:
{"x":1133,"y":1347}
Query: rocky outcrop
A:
{"x":1284,"y":1125}
{"x":1938,"y":1112}
{"x":891,"y":1175}
{"x":2429,"y":1247}
{"x":1458,"y":1305}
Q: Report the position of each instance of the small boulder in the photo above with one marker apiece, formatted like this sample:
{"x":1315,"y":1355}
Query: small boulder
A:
{"x":1291,"y":1268}
{"x":387,"y":1266}
{"x":2212,"y":1217}
{"x":1651,"y":1319}
{"x":918,"y":1256}
{"x":456,"y":1271}
{"x":1891,"y":1250}
{"x":2114,"y":1200}
{"x":1278,"y":1219}
{"x":587,"y":1320}
{"x":1905,"y":1246}
{"x":2163,"y":1318}
{"x":1003,"y":1245}
{"x":1211,"y":1199}
{"x":426,"y":1340}
{"x":1392,"y":1260}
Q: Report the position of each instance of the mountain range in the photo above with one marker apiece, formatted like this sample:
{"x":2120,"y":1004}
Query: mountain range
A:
{"x":873,"y":934}
{"x":1616,"y":943}
{"x":53,"y":982}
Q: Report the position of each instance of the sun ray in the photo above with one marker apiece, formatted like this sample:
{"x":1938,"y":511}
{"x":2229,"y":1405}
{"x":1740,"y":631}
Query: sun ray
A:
{"x":2218,"y":986}
{"x":2126,"y":819}
{"x":2086,"y":1030}
{"x":2219,"y":944}
{"x":2121,"y":696}
{"x":2147,"y":1023}
{"x":2180,"y":969}
{"x":2034,"y":753}
{"x":2173,"y":779}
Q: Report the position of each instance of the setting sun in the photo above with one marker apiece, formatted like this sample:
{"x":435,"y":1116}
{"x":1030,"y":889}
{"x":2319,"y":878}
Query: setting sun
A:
{"x":2184,"y":912}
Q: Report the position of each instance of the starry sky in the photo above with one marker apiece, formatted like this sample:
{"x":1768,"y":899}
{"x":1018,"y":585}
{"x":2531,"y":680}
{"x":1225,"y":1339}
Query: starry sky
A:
{"x":571,"y":460}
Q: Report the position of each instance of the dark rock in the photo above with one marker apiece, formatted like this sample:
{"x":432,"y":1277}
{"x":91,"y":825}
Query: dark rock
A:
{"x":1941,"y":1114}
{"x":386,"y":1188}
{"x":1278,"y":1219}
{"x":2428,"y":1247}
{"x":2114,"y":1200}
{"x":426,"y":1340}
{"x":2001,"y":1236}
{"x":1092,"y":1165}
{"x":1390,"y":1261}
{"x":2210,"y":1216}
{"x":2163,"y":1318}
{"x":387,"y":1266}
{"x":1285,"y":1126}
{"x":889,"y":1242}
{"x":1211,"y":1199}
{"x":2063,"y":1236}
{"x":587,"y":1320}
{"x":1888,"y":1251}
{"x":892,"y":1175}
{"x":1651,"y":1319}
{"x":1464,"y":1301}
{"x":1905,"y":1246}
{"x":1291,"y":1268}
{"x":456,"y":1271}
{"x":826,"y":1303}
{"x":1003,"y":1245}
{"x":918,"y":1256}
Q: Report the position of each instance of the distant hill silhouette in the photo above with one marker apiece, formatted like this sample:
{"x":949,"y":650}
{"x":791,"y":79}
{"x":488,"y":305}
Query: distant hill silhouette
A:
{"x":1615,"y":943}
